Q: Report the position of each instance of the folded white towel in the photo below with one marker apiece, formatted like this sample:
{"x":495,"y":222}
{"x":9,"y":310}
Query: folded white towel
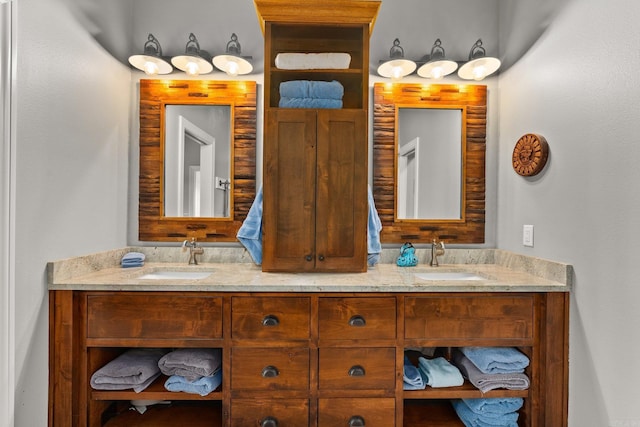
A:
{"x":313,"y":61}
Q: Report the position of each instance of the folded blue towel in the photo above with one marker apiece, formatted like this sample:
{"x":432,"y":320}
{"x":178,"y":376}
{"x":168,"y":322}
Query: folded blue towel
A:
{"x":494,"y":407}
{"x":471,"y":419}
{"x":201,"y":386}
{"x":132,"y":259}
{"x":134,"y":369}
{"x":310,"y":103}
{"x":485,"y":382}
{"x":250,"y":232}
{"x":312,"y":89}
{"x":191,"y":363}
{"x":412,"y":380}
{"x":439,"y":372}
{"x":495,"y":360}
{"x":373,"y":235}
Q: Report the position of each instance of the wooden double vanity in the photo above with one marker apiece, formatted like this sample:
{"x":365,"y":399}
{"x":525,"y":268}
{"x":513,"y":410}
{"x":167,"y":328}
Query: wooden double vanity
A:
{"x":314,"y":348}
{"x":333,"y":344}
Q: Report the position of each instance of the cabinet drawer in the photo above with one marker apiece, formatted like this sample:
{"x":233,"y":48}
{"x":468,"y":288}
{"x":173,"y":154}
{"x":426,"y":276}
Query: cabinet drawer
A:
{"x":471,"y":317}
{"x":270,"y":317}
{"x":371,"y":412}
{"x":270,"y":368}
{"x":357,"y":318}
{"x":154,"y":316}
{"x":255,"y":412}
{"x":357,"y":368}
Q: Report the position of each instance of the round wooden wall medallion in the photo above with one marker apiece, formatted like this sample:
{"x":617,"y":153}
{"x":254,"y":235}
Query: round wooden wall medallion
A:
{"x":530,"y":154}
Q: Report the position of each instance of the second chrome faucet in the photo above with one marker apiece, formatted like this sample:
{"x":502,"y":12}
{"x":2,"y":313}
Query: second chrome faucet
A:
{"x":437,"y":249}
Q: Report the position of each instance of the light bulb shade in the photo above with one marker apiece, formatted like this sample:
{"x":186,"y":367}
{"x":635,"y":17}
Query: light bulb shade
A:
{"x":479,"y":65}
{"x":232,"y":65}
{"x":437,"y":66}
{"x":151,"y":61}
{"x":232,"y":62}
{"x":192,"y":62}
{"x":396,"y":67}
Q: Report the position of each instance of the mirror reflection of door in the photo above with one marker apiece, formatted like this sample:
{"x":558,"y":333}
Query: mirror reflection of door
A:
{"x":429,"y":172}
{"x":408,"y":182}
{"x":197,"y":160}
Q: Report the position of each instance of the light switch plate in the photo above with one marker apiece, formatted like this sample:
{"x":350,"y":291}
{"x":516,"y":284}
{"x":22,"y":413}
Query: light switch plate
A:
{"x":527,"y":235}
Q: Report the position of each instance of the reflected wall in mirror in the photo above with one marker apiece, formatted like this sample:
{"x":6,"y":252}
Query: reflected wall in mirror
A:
{"x":459,"y":172}
{"x":429,"y":163}
{"x":197,"y":158}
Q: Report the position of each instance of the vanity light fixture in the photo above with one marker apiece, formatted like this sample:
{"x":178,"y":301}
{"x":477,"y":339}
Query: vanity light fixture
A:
{"x":479,"y":65}
{"x":151,"y":61}
{"x":232,"y":62}
{"x":396,"y":67}
{"x":437,"y":66}
{"x":193,"y":62}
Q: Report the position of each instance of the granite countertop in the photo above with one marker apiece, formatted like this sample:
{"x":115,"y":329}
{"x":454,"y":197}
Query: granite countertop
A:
{"x":232,"y":271}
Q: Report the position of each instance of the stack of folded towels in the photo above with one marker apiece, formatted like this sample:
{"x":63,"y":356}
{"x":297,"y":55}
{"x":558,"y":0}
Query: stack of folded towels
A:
{"x":436,"y":372}
{"x":132,"y":259}
{"x":495,"y":412}
{"x":489,"y":368}
{"x":311,"y":94}
{"x":134,"y":369}
{"x":192,"y":370}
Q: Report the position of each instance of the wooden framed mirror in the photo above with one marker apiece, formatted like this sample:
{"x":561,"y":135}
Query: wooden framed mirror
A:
{"x":465,"y":225}
{"x":237,"y":101}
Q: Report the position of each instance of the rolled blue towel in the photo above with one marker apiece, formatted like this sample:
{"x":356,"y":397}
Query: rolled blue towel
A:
{"x":412,"y":380}
{"x":132,"y":259}
{"x":496,"y":360}
{"x":134,"y":369}
{"x":471,"y":419}
{"x":439,"y":372}
{"x":310,"y":103}
{"x":191,"y":363}
{"x":312,"y":89}
{"x":201,"y":386}
{"x":494,"y":407}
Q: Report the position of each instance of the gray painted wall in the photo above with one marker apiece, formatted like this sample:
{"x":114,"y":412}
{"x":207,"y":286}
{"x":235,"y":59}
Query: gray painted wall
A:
{"x":581,"y":90}
{"x":71,"y":136}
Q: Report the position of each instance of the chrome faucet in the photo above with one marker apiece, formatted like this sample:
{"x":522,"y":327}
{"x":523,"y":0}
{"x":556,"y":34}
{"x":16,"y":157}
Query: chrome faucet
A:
{"x":437,"y":249}
{"x":194,"y":250}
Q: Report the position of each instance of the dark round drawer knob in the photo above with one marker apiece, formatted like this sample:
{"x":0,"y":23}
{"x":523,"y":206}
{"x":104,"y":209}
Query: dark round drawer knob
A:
{"x":270,"y":372}
{"x":270,"y":422}
{"x":309,"y":257}
{"x":356,"y":421}
{"x":356,"y":371}
{"x":357,"y":320}
{"x":321,"y":257}
{"x":270,"y":320}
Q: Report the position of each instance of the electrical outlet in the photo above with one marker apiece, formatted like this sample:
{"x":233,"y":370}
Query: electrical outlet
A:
{"x":527,"y":235}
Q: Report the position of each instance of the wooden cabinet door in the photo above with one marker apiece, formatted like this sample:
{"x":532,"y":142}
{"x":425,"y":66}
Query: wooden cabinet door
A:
{"x":315,"y":191}
{"x":289,"y":190}
{"x":341,"y":187}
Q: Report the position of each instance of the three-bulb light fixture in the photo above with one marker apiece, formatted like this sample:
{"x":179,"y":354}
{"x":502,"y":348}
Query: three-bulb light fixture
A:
{"x":194,"y":61}
{"x":436,"y":65}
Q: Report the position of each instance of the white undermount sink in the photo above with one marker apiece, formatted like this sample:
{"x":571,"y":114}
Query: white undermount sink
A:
{"x":449,"y":275}
{"x":176,"y":275}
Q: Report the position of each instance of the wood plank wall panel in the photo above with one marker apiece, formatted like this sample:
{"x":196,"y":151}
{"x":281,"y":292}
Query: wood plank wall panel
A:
{"x":154,"y":95}
{"x":473,"y":98}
